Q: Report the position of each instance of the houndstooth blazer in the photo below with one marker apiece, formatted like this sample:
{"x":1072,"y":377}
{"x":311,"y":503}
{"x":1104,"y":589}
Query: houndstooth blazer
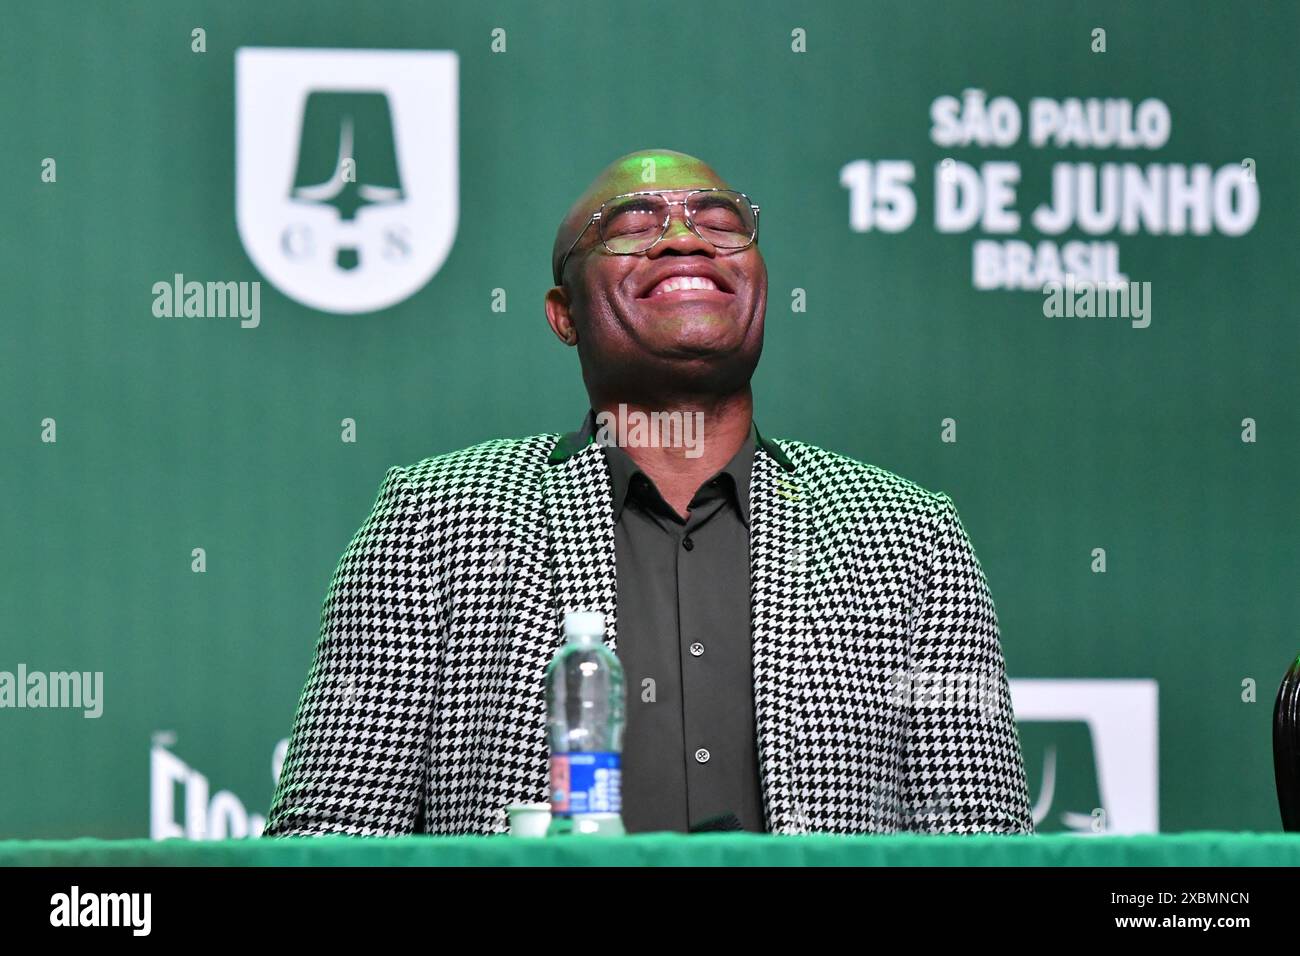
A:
{"x":424,"y":710}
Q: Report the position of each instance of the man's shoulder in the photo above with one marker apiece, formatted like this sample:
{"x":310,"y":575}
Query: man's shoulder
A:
{"x":845,"y":481}
{"x":496,"y":459}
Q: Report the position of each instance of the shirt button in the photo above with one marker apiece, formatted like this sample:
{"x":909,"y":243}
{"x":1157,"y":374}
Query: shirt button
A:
{"x":701,"y":756}
{"x":688,"y":544}
{"x":697,"y":649}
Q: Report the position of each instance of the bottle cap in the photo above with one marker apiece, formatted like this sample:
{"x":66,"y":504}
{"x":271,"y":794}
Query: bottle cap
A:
{"x":584,"y":624}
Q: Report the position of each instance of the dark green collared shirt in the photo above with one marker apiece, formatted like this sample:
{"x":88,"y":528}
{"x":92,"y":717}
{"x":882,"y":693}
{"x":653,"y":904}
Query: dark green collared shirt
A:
{"x":684,"y":639}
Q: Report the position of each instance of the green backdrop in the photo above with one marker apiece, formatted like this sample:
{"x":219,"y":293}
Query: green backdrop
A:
{"x":1072,"y":434}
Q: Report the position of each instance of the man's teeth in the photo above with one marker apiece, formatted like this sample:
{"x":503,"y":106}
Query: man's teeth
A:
{"x":673,"y":283}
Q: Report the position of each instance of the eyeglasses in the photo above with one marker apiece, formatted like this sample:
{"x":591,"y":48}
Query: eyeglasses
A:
{"x":633,"y":223}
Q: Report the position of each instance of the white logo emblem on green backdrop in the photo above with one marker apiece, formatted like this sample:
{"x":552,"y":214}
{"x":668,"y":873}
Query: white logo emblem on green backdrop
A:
{"x":346,"y":171}
{"x":1107,"y":732}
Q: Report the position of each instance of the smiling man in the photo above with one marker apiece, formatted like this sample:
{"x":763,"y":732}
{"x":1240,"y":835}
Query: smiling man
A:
{"x":809,"y":642}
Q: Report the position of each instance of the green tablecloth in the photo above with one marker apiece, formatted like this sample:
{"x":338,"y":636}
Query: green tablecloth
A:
{"x":1190,"y":849}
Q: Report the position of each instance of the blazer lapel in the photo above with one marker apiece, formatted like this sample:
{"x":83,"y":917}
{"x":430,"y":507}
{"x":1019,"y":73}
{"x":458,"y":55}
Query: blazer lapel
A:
{"x":779,"y":557}
{"x":580,"y":538}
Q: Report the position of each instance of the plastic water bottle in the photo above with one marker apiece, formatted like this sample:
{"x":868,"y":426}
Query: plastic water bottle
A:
{"x":584,"y":700}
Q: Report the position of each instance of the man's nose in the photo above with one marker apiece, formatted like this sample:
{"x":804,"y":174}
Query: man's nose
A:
{"x":680,"y":238}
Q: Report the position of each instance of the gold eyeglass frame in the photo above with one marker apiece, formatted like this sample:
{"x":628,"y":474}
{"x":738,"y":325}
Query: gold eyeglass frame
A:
{"x":668,"y":218}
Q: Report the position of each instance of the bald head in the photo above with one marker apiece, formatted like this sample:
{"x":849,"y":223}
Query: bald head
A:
{"x":644,"y":169}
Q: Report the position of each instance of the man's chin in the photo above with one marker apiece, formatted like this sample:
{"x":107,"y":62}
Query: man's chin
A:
{"x":690,"y":330}
{"x":701,"y":346}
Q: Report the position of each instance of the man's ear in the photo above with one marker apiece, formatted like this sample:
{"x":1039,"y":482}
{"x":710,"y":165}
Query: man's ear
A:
{"x":559,"y":316}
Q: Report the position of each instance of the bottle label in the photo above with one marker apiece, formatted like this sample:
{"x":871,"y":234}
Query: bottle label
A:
{"x":586,"y":783}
